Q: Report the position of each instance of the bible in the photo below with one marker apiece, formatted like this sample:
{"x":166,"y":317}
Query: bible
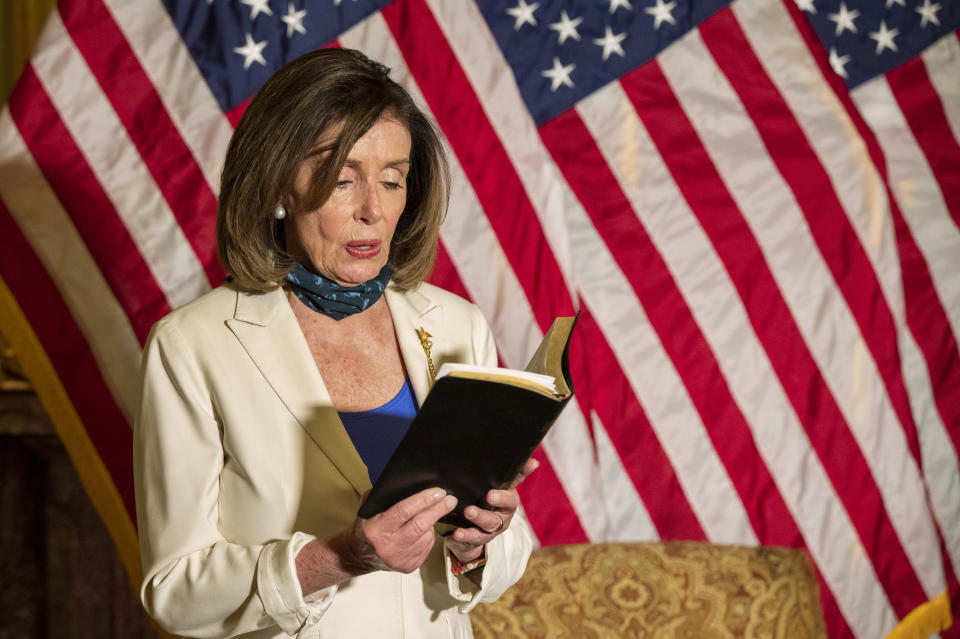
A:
{"x":477,"y":427}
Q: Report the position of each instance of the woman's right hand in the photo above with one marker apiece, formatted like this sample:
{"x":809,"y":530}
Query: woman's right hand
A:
{"x":399,"y":538}
{"x":402,"y":536}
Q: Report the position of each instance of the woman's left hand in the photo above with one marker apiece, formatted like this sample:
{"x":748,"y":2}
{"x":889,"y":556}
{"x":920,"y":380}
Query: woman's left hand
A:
{"x":467,"y":543}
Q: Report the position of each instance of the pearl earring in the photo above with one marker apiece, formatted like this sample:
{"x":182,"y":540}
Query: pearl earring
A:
{"x":280,"y":212}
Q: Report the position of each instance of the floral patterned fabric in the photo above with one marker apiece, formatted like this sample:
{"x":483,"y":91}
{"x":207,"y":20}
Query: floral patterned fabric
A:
{"x":658,"y":591}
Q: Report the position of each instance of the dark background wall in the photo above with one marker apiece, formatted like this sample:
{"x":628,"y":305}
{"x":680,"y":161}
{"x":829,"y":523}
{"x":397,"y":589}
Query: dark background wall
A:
{"x":60,"y":573}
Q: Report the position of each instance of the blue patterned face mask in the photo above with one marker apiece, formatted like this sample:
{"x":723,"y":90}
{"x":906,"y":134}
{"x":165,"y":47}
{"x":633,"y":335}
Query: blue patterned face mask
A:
{"x":327,"y":297}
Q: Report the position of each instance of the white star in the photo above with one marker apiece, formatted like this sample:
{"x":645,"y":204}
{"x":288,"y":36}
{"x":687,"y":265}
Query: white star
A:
{"x":890,"y":3}
{"x":559,"y":74}
{"x":523,"y":13}
{"x":616,"y":4}
{"x":928,"y":13}
{"x":806,"y":5}
{"x":251,"y":52}
{"x":611,"y":43}
{"x":662,"y":12}
{"x":838,"y":62}
{"x":257,"y":7}
{"x":294,"y":20}
{"x":566,"y":28}
{"x":884,"y":38}
{"x":844,"y":19}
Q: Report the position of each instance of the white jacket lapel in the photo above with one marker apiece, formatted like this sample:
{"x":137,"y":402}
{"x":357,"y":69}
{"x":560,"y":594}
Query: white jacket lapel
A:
{"x":268,"y":330}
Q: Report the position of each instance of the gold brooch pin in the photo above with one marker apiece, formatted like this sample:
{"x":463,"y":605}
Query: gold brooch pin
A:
{"x":427,"y":345}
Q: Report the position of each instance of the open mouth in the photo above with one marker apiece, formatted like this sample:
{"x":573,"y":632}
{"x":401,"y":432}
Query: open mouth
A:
{"x":363,"y":248}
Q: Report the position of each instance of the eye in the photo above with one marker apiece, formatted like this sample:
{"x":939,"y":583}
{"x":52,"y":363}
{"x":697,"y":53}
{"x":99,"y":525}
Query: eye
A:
{"x":342,"y":184}
{"x":392,"y":186}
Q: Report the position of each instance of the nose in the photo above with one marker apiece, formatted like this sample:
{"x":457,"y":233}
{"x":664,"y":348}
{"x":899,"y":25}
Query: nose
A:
{"x":369,"y":209}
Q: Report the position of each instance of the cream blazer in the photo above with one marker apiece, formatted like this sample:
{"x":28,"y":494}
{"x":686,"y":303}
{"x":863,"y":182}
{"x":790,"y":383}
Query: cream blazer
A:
{"x":240,"y":459}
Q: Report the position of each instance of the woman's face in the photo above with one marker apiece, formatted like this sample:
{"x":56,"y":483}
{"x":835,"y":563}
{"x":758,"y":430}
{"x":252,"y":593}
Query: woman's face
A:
{"x":348,"y":238}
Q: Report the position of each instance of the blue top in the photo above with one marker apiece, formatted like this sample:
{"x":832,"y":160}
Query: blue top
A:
{"x":377,"y":432}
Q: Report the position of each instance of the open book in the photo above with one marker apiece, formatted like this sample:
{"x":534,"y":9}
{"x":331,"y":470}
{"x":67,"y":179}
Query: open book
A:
{"x":477,"y":428}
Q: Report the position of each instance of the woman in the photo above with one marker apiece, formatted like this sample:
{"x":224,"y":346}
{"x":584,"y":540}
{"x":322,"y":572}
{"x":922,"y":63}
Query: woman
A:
{"x":248,"y":481}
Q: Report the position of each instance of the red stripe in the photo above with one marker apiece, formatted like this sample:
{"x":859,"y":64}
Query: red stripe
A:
{"x":837,"y":627}
{"x":70,"y":354}
{"x":774,"y":326}
{"x":808,"y":180}
{"x":928,"y":322}
{"x":93,"y":215}
{"x":596,"y":187}
{"x":683,"y":152}
{"x":926,"y":316}
{"x":445,"y":274}
{"x":486,"y":164}
{"x":552,"y":515}
{"x":150,"y":128}
{"x":234,"y":114}
{"x":549,"y":511}
{"x":601,"y":387}
{"x":952,"y":590}
{"x":924,"y":112}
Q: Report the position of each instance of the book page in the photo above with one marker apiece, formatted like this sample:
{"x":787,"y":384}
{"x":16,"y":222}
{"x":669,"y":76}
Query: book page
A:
{"x":543,"y":384}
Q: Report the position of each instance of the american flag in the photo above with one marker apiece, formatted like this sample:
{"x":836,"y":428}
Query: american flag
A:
{"x":754,"y":204}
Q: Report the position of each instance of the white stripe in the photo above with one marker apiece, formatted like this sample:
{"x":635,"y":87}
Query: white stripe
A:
{"x":113,"y":157}
{"x":917,"y":193}
{"x":570,"y":450}
{"x":936,"y":235}
{"x":718,"y":309}
{"x":943,"y":66}
{"x":50,"y":232}
{"x":575,"y":241}
{"x":816,"y":302}
{"x":186,"y":96}
{"x":629,"y":519}
{"x":486,"y":273}
{"x":941,"y":469}
{"x":467,"y":33}
{"x":863,"y":196}
{"x":940,"y":464}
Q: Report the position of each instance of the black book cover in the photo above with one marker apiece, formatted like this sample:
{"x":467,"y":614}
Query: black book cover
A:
{"x":470,"y":435}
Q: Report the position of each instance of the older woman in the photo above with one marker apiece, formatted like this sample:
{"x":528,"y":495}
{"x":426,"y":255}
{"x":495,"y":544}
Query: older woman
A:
{"x":270,"y":404}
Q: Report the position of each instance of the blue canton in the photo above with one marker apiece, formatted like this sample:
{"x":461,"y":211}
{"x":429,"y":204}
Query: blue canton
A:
{"x":867,"y":38}
{"x":560,"y":52}
{"x":238,"y":44}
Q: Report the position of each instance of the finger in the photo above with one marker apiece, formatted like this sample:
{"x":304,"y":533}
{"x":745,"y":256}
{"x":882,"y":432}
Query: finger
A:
{"x":465,"y":552}
{"x":473,"y":536}
{"x":507,"y":500}
{"x":530,"y":466}
{"x":405,"y":509}
{"x":486,"y":520}
{"x":422,"y":523}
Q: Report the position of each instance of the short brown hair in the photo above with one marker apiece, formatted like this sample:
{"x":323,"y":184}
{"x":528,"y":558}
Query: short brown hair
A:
{"x":330,"y":92}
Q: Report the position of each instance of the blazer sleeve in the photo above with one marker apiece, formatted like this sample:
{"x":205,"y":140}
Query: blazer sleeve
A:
{"x":196,"y":582}
{"x":508,"y":553}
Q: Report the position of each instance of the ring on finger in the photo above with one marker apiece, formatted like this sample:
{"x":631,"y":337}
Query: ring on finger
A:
{"x":500,"y":527}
